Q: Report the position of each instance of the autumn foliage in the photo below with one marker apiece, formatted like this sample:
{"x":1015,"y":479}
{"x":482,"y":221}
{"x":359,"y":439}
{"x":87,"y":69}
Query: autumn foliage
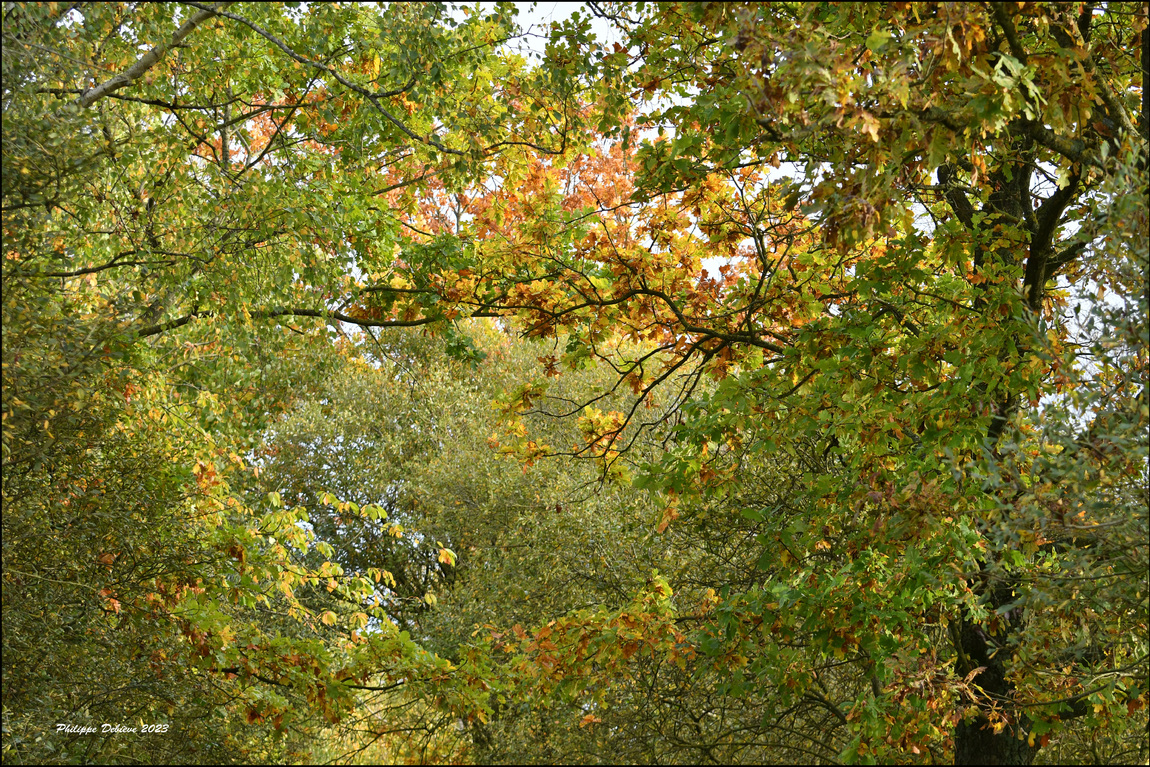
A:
{"x":731,"y":382}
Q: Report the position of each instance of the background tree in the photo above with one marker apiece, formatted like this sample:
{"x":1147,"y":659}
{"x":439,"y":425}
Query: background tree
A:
{"x":471,"y":537}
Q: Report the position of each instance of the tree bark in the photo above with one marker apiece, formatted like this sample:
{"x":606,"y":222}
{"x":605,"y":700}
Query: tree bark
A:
{"x":976,"y":742}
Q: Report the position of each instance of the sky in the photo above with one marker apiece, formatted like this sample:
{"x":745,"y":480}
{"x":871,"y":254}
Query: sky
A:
{"x":538,"y":16}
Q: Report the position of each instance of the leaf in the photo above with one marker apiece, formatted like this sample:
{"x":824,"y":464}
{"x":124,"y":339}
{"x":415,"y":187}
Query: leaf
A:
{"x":877,"y":40}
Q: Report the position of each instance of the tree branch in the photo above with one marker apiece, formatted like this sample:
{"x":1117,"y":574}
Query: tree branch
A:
{"x":1064,"y":257}
{"x":1004,"y":21}
{"x":371,"y":96}
{"x":1041,"y":242}
{"x":955,"y":196}
{"x":163,"y":327}
{"x":1074,"y":150}
{"x":149,"y":59}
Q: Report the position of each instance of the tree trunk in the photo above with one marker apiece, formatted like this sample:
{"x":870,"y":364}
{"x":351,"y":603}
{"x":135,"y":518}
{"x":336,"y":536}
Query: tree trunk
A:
{"x":976,"y":742}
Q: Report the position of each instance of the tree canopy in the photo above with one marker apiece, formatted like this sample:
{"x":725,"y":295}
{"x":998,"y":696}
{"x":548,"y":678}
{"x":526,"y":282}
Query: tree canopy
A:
{"x":719,"y":382}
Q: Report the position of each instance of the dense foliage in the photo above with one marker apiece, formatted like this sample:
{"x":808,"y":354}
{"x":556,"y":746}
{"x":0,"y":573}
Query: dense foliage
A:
{"x":732,"y":383}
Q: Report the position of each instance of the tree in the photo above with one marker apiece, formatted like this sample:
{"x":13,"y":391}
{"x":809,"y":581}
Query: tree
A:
{"x":472,"y":541}
{"x":870,"y":279}
{"x":178,"y":227}
{"x":956,"y":176}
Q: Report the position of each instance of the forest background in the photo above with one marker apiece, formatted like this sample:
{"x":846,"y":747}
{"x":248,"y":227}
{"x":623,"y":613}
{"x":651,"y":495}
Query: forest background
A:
{"x":755,"y":383}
